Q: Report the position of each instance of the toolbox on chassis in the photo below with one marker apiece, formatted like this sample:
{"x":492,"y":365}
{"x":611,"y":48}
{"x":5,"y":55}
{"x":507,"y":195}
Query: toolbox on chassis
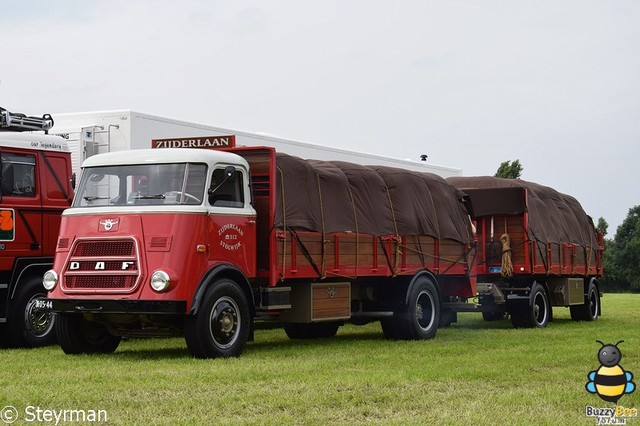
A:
{"x":537,"y":248}
{"x":35,"y":189}
{"x":201,"y":242}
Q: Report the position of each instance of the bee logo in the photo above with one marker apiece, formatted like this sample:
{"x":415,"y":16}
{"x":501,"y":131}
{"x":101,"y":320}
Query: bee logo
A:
{"x":610,"y":381}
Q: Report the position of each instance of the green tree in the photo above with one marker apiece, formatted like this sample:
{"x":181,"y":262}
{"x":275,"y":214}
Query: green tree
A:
{"x":622,"y":258}
{"x":509,"y":170}
{"x":602,"y":226}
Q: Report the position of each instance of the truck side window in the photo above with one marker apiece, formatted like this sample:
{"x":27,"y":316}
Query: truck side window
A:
{"x":18,"y":175}
{"x":226,"y":192}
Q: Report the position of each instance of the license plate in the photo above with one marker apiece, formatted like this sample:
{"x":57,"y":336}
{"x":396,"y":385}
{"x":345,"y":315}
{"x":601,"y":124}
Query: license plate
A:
{"x":44,"y":304}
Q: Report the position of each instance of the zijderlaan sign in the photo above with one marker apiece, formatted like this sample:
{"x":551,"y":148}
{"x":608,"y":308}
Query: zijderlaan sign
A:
{"x":208,"y":142}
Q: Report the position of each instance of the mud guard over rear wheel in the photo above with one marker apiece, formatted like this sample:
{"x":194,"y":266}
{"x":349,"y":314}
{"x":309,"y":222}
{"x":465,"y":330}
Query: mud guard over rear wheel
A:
{"x":316,"y":330}
{"x":221,"y":326}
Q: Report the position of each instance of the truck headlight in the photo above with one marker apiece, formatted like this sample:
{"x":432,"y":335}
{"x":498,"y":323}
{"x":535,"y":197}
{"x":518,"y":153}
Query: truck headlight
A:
{"x":50,"y":279}
{"x":160,"y":281}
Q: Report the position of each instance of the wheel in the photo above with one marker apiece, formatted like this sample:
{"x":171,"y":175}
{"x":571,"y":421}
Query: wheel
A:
{"x":29,"y":326}
{"x":420,"y":317}
{"x":221,"y":326}
{"x":590,"y":309}
{"x":76,"y":335}
{"x":537,"y":314}
{"x":315,"y":330}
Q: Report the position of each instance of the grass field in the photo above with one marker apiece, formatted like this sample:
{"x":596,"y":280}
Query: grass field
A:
{"x":472,"y":373}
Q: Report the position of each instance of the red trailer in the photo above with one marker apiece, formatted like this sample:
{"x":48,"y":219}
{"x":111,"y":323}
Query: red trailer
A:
{"x":537,"y":248}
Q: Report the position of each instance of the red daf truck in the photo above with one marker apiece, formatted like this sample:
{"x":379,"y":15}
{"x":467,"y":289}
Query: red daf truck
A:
{"x":36,"y":188}
{"x":201,"y":243}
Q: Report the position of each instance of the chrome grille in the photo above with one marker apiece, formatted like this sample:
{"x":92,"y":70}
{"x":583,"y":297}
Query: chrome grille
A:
{"x":102,"y":265}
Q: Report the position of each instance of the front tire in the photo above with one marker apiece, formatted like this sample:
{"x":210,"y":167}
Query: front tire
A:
{"x":221,"y":326}
{"x":76,"y":336}
{"x":590,"y":309}
{"x":29,"y":326}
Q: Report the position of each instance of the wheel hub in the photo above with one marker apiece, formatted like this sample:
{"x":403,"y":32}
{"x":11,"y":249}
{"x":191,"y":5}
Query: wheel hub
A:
{"x":224,"y":322}
{"x":38,"y":321}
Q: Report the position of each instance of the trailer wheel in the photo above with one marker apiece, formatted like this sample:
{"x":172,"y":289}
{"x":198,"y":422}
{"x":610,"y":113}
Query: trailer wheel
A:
{"x":28,"y":325}
{"x":76,"y":335}
{"x":221,"y":326}
{"x":420,"y":317}
{"x":537,"y":314}
{"x":590,"y":309}
{"x":315,"y":330}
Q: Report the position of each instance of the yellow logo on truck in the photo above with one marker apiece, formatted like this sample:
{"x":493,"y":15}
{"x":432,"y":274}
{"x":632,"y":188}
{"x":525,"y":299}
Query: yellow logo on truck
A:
{"x":6,"y":225}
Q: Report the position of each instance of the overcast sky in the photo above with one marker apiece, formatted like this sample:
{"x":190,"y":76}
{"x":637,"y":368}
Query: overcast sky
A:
{"x":555,"y":84}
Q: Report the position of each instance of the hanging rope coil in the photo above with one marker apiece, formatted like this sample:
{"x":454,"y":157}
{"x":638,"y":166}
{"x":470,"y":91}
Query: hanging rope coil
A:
{"x":507,"y":265}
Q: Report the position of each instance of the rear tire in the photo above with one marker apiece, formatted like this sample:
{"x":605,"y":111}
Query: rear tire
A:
{"x":590,"y":309}
{"x":30,"y":327}
{"x":419,"y":319}
{"x":221,"y":326}
{"x":315,"y":330}
{"x":76,"y":336}
{"x":537,"y":314}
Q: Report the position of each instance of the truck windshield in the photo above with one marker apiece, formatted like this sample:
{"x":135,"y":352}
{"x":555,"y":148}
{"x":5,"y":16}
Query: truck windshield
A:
{"x":153,"y":184}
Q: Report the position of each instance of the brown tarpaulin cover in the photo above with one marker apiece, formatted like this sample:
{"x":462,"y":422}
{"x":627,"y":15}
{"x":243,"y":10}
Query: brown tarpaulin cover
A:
{"x":322,"y":196}
{"x":553,"y":217}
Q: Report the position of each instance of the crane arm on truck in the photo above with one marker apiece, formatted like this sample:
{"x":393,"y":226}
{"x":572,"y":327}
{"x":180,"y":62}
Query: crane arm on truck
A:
{"x":16,"y":122}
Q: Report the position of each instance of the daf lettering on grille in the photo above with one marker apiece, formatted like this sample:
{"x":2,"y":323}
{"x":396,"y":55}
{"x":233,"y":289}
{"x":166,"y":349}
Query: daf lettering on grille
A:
{"x":100,"y":266}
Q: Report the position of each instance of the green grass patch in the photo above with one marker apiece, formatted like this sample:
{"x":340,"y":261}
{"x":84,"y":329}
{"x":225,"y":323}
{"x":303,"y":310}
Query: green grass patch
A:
{"x":473,"y":372}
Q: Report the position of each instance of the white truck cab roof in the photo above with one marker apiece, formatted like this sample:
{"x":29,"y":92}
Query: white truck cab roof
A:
{"x":166,"y":156}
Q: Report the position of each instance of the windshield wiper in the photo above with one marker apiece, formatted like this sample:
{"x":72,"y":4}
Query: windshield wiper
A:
{"x":93,"y":198}
{"x":150,"y":197}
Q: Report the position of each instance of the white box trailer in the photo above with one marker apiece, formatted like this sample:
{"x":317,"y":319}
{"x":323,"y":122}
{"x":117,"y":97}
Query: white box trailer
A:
{"x":90,"y":133}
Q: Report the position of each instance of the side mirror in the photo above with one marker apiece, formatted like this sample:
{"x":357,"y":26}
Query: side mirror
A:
{"x":73,"y":181}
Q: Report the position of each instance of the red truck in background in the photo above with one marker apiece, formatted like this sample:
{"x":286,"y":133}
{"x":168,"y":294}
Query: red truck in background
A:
{"x":35,"y":189}
{"x":201,"y":243}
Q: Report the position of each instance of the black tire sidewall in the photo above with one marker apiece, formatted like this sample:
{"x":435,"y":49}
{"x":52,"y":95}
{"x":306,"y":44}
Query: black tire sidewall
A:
{"x":538,"y":290}
{"x":207,"y":347}
{"x":72,"y":332}
{"x":414,"y":331}
{"x":21,"y":335}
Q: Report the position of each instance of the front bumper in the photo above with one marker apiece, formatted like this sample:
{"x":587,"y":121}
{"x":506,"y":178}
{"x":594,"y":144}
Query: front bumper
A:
{"x":96,"y":306}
